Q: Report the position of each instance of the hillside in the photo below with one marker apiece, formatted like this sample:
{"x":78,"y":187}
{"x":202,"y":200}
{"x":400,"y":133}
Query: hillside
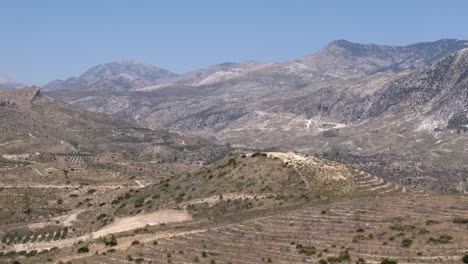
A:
{"x":244,"y":183}
{"x":398,"y":229}
{"x":238,"y":187}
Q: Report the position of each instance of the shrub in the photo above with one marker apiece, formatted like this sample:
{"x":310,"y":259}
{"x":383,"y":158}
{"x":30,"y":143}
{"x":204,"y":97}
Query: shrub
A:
{"x":406,"y":242}
{"x":135,"y":243}
{"x":101,"y":216}
{"x":360,"y":261}
{"x":460,"y":221}
{"x":444,"y":239}
{"x":84,"y":249}
{"x":431,"y":222}
{"x":91,"y":191}
{"x":388,"y":261}
{"x":258,"y":154}
{"x":307,"y":250}
{"x":139,"y":202}
{"x":110,"y":241}
{"x":465,"y":258}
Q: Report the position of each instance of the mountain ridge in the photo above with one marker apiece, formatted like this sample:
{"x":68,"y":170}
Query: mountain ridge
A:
{"x":119,"y":75}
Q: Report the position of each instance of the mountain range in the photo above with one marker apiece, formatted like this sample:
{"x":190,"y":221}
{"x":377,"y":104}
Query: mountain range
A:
{"x":341,"y":156}
{"x":313,"y":104}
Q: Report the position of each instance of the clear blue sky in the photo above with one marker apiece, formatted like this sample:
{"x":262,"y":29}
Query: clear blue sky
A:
{"x":45,"y":40}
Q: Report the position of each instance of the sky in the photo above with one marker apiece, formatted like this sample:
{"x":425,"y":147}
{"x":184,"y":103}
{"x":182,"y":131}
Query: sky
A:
{"x":41,"y":41}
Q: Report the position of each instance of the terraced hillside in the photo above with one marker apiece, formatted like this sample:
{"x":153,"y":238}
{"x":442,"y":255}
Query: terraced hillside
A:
{"x":404,"y":229}
{"x":236,"y":188}
{"x":255,"y":180}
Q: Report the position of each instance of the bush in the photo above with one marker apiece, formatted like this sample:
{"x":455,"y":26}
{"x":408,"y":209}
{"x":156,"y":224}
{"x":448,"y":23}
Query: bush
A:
{"x":465,"y":258}
{"x":84,"y":249}
{"x":135,"y":243}
{"x":444,"y":239}
{"x":460,"y":221}
{"x":307,"y":250}
{"x":258,"y":154}
{"x":110,"y":241}
{"x":139,"y":202}
{"x":360,"y":261}
{"x":388,"y":261}
{"x":406,"y":242}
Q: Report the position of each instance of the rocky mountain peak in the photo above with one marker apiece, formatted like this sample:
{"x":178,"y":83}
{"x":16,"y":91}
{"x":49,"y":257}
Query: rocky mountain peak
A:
{"x":129,"y":67}
{"x":345,"y":59}
{"x":116,"y":76}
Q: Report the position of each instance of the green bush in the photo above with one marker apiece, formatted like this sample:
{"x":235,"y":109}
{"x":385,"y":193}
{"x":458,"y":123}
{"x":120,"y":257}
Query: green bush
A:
{"x":139,"y":202}
{"x":444,"y":239}
{"x":307,"y":250}
{"x":84,"y":249}
{"x":460,"y":221}
{"x":360,"y":261}
{"x":344,"y":256}
{"x":465,"y":258}
{"x":110,"y":241}
{"x":406,"y":242}
{"x":258,"y":154}
{"x":388,"y":261}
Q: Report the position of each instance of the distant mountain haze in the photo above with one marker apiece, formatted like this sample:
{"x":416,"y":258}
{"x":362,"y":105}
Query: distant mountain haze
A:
{"x":8,"y":82}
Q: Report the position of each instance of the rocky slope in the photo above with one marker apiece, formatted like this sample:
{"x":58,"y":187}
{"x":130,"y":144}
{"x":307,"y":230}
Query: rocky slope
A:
{"x":34,"y":125}
{"x":116,"y":76}
{"x":439,"y":92}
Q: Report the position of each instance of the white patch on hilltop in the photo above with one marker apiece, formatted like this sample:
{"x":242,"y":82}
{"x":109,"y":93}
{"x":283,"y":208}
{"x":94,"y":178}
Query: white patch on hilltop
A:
{"x":301,"y":161}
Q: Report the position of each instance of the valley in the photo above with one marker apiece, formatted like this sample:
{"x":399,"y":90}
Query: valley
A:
{"x":354,"y":154}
